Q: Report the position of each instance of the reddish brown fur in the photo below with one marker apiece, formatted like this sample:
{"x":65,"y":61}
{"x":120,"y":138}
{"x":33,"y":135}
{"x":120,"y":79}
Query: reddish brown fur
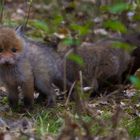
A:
{"x":9,"y":68}
{"x":8,"y":40}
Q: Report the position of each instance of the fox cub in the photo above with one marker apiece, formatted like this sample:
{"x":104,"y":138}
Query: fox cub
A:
{"x":28,"y":65}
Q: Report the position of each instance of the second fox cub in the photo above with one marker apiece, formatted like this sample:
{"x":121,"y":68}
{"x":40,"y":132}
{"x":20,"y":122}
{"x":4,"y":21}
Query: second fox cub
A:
{"x":29,"y":65}
{"x":102,"y":64}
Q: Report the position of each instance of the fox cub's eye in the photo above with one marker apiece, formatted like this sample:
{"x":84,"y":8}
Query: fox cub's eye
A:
{"x":14,"y":50}
{"x":1,"y":50}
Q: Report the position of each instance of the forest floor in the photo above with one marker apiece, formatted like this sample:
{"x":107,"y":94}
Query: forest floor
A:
{"x":111,"y":116}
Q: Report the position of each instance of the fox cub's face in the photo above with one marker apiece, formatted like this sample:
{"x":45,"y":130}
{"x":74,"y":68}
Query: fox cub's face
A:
{"x":10,"y":46}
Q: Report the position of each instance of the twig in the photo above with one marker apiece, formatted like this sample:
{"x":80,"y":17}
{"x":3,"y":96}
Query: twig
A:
{"x":28,"y":12}
{"x":81,"y":81}
{"x":1,"y":11}
{"x":69,"y":94}
{"x":115,"y":92}
{"x":65,"y":70}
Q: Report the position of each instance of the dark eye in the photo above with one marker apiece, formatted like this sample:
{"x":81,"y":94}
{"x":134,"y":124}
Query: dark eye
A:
{"x":13,"y":49}
{"x":1,"y":50}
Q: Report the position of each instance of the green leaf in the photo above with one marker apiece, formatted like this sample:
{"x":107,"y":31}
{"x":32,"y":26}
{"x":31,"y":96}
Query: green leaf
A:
{"x":115,"y":26}
{"x":68,"y":41}
{"x":136,"y":17}
{"x":134,"y":127}
{"x":118,"y":8}
{"x":71,"y":41}
{"x":57,"y":20}
{"x":104,"y":8}
{"x":76,"y":58}
{"x":39,"y":25}
{"x":82,"y":30}
{"x":124,"y":46}
{"x":135,"y":81}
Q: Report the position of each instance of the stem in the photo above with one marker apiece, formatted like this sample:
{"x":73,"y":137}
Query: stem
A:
{"x":28,"y":13}
{"x":1,"y":11}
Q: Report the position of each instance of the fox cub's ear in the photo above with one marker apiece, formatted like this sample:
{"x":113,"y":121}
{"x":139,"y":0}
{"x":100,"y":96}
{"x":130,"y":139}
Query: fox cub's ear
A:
{"x":20,"y":30}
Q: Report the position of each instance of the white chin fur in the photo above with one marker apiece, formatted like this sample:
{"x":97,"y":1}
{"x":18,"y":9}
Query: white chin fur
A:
{"x":7,"y":61}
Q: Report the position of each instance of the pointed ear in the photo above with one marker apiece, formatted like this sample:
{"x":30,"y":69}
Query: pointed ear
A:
{"x":20,"y":30}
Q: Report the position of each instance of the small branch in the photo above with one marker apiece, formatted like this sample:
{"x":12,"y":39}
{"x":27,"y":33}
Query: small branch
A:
{"x":1,"y":11}
{"x":28,"y":12}
{"x":81,"y":81}
{"x":65,"y":69}
{"x":69,"y":94}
